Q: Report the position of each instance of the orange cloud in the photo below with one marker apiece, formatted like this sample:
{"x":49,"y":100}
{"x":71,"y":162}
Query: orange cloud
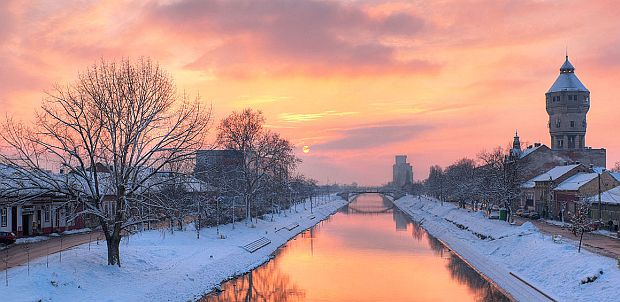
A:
{"x":357,"y":81}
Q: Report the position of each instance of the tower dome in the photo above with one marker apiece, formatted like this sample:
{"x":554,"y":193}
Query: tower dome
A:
{"x":567,"y":80}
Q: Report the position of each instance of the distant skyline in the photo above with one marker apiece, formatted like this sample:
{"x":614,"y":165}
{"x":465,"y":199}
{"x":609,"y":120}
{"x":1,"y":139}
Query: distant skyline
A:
{"x":356,"y":81}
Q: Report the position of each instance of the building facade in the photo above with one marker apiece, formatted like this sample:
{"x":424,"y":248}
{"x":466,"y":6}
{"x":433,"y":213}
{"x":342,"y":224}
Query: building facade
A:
{"x":402,"y":172}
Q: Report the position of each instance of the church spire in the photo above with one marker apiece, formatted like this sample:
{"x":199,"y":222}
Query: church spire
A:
{"x":516,"y":145}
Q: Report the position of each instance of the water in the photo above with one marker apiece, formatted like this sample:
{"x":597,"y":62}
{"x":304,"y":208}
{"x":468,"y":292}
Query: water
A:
{"x":368,"y":251}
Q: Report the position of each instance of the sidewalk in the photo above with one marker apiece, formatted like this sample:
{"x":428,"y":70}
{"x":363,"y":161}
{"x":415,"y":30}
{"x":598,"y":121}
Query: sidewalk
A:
{"x":17,"y":254}
{"x":597,"y":243}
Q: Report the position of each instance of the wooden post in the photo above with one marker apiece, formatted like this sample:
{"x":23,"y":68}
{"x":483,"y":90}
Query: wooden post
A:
{"x":580,"y":239}
{"x":61,"y":249}
{"x":28,"y":252}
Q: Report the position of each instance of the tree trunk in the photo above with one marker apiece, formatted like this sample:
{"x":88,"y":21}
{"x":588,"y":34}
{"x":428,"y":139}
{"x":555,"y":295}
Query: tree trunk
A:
{"x":114,"y":255}
{"x":580,"y":239}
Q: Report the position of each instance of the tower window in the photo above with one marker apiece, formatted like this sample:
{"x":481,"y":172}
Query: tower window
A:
{"x":572,"y":124}
{"x":557,"y":123}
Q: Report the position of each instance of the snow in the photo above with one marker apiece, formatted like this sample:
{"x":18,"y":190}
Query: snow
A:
{"x":34,"y":239}
{"x":527,"y":151}
{"x":158,"y":265}
{"x":557,"y":269}
{"x":552,"y":174}
{"x":77,"y":231}
{"x":575,"y":182}
{"x":31,"y":239}
{"x":610,"y":196}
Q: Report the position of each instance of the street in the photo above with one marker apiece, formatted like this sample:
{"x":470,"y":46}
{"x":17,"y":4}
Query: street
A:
{"x":600,"y":244}
{"x":17,"y":254}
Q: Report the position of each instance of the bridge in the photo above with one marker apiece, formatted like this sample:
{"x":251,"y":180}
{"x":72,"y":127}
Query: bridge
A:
{"x":370,"y":209}
{"x":351,"y":194}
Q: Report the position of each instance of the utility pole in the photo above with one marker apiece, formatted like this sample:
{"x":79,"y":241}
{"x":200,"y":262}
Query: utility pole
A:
{"x":600,"y":212}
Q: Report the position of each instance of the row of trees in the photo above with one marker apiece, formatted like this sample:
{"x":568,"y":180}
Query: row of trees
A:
{"x":494,"y":178}
{"x":124,"y":142}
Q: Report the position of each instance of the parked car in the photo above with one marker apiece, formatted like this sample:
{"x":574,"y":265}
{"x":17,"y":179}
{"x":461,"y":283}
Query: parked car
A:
{"x":594,"y":225}
{"x":494,"y":215}
{"x":519,"y":212}
{"x":534,"y":215}
{"x":7,"y":237}
{"x":495,"y":207}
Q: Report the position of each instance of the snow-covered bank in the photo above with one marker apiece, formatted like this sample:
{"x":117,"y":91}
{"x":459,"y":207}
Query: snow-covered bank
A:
{"x":498,"y":249}
{"x":157,"y":265}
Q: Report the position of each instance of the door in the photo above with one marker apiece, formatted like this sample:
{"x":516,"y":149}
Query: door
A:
{"x":39,"y":222}
{"x":27,"y":224}
{"x":14,"y":220}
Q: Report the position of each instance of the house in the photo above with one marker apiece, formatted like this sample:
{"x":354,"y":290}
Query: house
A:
{"x":609,"y":207}
{"x":579,"y":186}
{"x":537,"y":192}
{"x":28,"y":210}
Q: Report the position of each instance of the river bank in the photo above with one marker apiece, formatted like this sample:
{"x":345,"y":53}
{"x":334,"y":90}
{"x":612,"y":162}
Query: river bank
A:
{"x":157,"y":265}
{"x":515,"y":256}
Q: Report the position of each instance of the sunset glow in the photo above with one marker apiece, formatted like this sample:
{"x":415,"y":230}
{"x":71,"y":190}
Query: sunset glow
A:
{"x":357,"y":81}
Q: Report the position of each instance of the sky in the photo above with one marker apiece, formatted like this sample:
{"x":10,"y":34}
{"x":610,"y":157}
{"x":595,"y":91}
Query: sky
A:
{"x":356,"y":81}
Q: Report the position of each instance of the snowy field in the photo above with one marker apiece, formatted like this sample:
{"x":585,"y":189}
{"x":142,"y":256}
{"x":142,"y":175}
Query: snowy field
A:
{"x":156,"y":265}
{"x":498,"y":249}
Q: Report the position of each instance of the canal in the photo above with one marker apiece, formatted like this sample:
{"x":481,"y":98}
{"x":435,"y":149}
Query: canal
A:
{"x":367,"y":251}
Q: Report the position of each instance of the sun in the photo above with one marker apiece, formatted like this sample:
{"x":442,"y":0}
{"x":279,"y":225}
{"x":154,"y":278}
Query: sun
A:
{"x":306,"y":149}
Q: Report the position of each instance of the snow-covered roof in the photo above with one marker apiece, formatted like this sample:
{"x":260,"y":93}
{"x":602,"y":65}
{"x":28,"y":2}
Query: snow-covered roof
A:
{"x":615,"y":175}
{"x":552,"y":174}
{"x":610,"y":196}
{"x":527,"y":151}
{"x":567,"y":80}
{"x":576,"y":181}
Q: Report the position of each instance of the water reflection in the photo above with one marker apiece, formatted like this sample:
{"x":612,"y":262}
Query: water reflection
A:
{"x":362,"y":253}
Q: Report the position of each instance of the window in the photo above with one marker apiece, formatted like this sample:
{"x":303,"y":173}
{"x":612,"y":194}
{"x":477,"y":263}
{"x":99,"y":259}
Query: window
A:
{"x":583,"y":123}
{"x":4,"y":217}
{"x":47,"y":213}
{"x":557,"y":123}
{"x":570,"y":97}
{"x":560,"y":143}
{"x":572,"y":124}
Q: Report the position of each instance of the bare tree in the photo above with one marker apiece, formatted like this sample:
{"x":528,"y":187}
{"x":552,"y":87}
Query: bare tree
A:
{"x":461,"y":182}
{"x":264,"y":154}
{"x":501,"y":175}
{"x":111,"y":132}
{"x":581,"y":219}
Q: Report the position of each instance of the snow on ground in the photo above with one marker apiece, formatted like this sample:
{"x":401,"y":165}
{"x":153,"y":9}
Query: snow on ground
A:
{"x":25,"y":240}
{"x":34,"y":239}
{"x":497,"y":249}
{"x":77,"y":231}
{"x":157,"y":265}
